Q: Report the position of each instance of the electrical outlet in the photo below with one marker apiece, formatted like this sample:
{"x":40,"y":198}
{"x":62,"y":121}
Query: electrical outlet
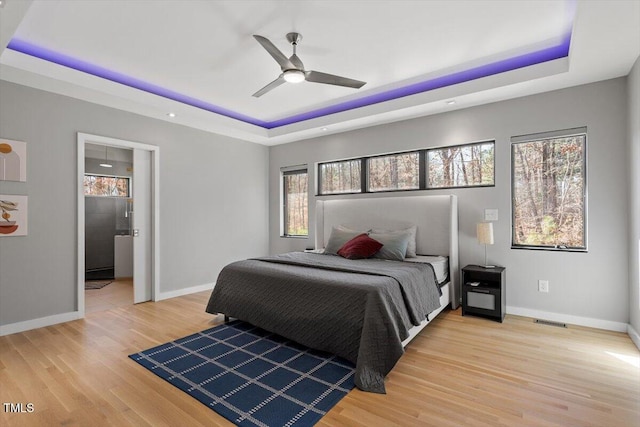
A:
{"x":543,"y":286}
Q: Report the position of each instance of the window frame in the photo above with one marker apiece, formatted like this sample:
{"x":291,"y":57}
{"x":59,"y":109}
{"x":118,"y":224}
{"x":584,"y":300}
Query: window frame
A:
{"x":540,"y":137}
{"x":423,"y":170}
{"x":128,"y":178}
{"x":470,"y":144}
{"x":368,"y":174}
{"x":284,"y":172}
{"x":363,"y":175}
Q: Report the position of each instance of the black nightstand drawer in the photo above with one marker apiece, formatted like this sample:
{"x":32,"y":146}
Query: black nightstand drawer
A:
{"x":481,"y":300}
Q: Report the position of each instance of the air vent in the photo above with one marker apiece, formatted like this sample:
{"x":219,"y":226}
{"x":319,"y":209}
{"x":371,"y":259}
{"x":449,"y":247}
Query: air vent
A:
{"x":550,"y":323}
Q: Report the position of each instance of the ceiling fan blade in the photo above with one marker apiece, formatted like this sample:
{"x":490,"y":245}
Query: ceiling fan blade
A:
{"x":274,"y":84}
{"x":331,"y":79}
{"x":282,"y":60}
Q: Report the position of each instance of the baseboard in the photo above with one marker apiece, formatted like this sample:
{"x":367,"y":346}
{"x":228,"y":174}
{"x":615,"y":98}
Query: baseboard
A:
{"x":634,"y":335}
{"x":185,"y":291}
{"x":570,"y":319}
{"x":41,"y":322}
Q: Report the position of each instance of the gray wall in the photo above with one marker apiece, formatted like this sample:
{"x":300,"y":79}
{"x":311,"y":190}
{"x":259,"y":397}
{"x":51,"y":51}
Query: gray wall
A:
{"x":205,"y":222}
{"x":634,"y":195}
{"x":592,"y":285}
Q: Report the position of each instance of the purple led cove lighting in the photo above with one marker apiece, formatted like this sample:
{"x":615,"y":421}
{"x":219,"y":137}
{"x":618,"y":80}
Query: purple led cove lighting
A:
{"x":532,"y":58}
{"x":544,"y":55}
{"x":114,"y":76}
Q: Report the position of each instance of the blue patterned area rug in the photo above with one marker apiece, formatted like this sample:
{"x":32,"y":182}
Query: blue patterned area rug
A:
{"x":252,"y":377}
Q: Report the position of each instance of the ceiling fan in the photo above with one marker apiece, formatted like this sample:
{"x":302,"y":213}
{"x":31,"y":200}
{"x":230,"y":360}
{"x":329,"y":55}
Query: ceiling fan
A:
{"x":293,"y":69}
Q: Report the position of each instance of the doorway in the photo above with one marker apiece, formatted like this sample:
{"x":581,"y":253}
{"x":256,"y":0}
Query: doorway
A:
{"x":117,"y":234}
{"x":108,"y":201}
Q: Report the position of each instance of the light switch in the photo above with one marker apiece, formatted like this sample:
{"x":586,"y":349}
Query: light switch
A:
{"x":491,"y":214}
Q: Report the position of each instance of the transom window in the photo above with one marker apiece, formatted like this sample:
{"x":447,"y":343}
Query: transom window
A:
{"x":394,"y":172}
{"x":100,"y":185}
{"x":341,"y":177}
{"x":468,"y":165}
{"x":461,"y":166}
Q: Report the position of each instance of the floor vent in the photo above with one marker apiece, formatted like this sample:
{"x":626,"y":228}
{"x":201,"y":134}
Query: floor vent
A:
{"x":550,"y":323}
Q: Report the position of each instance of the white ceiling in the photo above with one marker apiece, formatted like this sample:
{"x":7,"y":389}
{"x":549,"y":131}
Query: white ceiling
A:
{"x":205,"y":50}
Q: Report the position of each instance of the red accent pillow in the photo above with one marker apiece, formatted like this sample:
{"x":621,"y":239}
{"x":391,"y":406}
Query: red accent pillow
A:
{"x":361,"y":246}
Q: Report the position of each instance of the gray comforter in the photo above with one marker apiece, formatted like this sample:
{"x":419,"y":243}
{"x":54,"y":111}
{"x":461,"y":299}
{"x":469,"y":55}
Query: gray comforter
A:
{"x":360,"y":310}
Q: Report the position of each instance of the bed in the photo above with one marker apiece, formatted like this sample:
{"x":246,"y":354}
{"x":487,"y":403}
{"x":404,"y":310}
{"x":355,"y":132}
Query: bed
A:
{"x":364,"y":310}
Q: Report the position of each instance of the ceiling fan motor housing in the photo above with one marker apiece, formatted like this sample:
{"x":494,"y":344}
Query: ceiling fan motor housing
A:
{"x":294,"y":38}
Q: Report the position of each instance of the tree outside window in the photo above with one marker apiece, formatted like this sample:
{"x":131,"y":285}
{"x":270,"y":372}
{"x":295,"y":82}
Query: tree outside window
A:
{"x":549,"y":192}
{"x":341,"y":177}
{"x":395,"y":172}
{"x":461,"y":166}
{"x":98,"y":185}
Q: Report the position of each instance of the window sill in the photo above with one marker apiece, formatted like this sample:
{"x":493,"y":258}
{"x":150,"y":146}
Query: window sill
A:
{"x":551,"y":248}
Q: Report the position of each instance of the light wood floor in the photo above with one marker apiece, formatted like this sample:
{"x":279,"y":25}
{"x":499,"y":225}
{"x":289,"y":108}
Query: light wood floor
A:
{"x":458,"y":371}
{"x":119,"y":293}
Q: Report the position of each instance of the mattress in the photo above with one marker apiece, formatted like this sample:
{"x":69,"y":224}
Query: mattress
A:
{"x":440,"y":265}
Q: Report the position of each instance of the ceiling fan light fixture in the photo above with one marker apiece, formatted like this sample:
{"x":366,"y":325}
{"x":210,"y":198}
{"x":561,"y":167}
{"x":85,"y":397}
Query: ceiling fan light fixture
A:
{"x":293,"y":76}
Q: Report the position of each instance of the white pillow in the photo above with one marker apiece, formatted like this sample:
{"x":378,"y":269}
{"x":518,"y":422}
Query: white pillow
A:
{"x":339,"y":236}
{"x":411,"y":247}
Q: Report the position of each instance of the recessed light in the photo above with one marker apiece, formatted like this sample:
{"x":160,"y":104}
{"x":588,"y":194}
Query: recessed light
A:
{"x":451,"y":102}
{"x":324,"y":129}
{"x":172,"y":115}
{"x":2,"y":2}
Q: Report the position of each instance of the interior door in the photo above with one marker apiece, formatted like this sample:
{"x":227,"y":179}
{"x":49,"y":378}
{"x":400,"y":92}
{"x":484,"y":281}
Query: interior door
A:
{"x":142,"y":250}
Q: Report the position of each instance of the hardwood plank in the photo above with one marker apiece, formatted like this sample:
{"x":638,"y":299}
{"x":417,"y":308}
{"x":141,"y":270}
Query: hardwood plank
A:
{"x":458,"y":371}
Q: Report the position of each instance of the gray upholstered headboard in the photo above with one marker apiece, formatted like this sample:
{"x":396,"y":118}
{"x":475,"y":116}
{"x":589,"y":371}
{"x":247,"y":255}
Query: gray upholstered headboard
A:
{"x":435,"y":216}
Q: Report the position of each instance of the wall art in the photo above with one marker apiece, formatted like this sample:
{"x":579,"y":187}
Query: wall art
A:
{"x":13,"y":160}
{"x":13,"y":215}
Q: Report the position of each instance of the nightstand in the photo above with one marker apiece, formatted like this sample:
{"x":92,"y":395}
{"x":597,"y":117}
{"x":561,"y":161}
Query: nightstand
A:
{"x":483,"y":291}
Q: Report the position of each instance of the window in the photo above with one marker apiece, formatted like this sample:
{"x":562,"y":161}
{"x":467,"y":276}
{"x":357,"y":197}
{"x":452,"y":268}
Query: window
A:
{"x":340,"y":177}
{"x":98,"y":185}
{"x":295,"y":202}
{"x":549,"y":190}
{"x":394,"y":172}
{"x":461,"y":166}
{"x":469,"y":165}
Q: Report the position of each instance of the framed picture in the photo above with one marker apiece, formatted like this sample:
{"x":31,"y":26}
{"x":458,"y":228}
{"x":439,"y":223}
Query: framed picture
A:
{"x":13,"y":160}
{"x":13,"y":215}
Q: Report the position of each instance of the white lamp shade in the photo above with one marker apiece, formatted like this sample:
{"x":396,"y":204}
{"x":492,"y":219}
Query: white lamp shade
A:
{"x":484,"y":231}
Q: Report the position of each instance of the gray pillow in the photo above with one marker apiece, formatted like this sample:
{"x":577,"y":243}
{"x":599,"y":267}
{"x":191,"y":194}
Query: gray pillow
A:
{"x":339,"y":236}
{"x":412,"y":231}
{"x":394,"y":245}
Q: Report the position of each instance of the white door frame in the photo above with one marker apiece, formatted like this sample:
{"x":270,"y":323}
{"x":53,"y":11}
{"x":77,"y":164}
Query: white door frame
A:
{"x":155,"y":211}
